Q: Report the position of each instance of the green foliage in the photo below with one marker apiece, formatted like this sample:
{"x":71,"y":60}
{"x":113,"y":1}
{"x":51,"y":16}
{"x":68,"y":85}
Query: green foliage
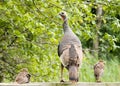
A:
{"x":30,"y":31}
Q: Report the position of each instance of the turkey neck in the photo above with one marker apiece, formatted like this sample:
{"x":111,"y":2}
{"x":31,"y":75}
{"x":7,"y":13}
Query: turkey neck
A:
{"x":66,"y":27}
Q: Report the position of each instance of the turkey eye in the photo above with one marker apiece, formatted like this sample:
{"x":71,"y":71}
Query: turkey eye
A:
{"x":62,"y":13}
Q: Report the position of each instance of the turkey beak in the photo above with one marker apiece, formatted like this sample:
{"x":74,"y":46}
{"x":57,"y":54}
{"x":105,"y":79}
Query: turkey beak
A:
{"x":62,"y":16}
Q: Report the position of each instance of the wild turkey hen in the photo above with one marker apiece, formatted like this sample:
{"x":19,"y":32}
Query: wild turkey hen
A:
{"x":69,"y":51}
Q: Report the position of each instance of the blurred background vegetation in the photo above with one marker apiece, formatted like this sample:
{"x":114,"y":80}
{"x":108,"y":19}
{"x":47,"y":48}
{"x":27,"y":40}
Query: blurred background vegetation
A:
{"x":30,"y":31}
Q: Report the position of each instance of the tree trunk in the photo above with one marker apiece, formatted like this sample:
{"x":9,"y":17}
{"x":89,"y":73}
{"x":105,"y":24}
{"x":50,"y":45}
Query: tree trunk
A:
{"x":1,"y":78}
{"x":98,"y":25}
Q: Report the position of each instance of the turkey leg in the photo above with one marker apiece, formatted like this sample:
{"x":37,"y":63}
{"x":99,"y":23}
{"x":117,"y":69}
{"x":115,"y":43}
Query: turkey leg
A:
{"x":62,"y":67}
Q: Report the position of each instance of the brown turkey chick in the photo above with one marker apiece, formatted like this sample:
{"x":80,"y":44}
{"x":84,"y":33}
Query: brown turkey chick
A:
{"x":99,"y":70}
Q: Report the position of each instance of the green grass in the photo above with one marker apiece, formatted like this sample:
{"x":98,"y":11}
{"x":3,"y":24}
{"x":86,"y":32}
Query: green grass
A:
{"x":111,"y":72}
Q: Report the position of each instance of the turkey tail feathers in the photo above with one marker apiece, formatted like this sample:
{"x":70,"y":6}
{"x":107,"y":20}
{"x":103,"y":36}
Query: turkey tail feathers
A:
{"x":73,"y":56}
{"x":73,"y":67}
{"x":73,"y":73}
